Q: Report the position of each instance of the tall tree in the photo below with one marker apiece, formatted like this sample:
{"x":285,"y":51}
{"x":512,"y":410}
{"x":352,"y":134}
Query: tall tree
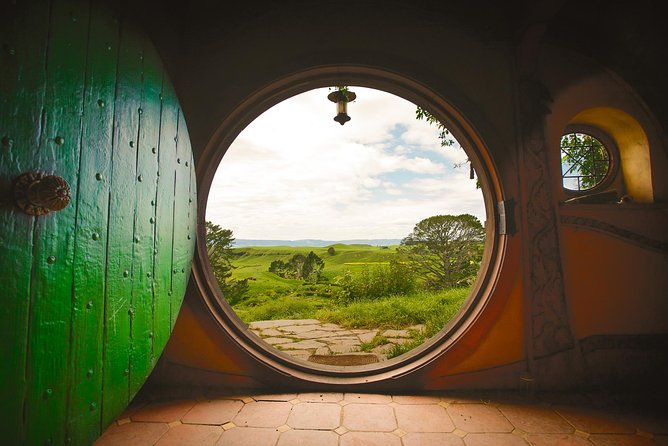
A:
{"x":219,"y":249}
{"x":445,"y":250}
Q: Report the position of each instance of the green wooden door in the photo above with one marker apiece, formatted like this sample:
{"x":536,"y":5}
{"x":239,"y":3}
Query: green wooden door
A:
{"x":89,"y":293}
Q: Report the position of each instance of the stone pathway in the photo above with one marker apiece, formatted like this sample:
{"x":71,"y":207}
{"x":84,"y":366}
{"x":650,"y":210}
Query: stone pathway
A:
{"x":326,"y":343}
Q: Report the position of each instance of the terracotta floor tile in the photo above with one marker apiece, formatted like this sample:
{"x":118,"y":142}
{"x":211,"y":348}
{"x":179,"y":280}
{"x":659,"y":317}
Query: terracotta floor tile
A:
{"x":369,"y":439}
{"x":275,"y":397}
{"x":536,"y":419}
{"x":163,"y":411}
{"x":263,"y":414}
{"x":367,"y":398}
{"x":431,"y":439}
{"x":212,"y":412}
{"x":317,"y":397}
{"x":191,"y":434}
{"x":557,"y":440}
{"x":308,"y":438}
{"x":423,"y":418}
{"x":249,"y":436}
{"x":596,"y":421}
{"x":417,"y":399}
{"x":315,"y":416}
{"x":478,"y":418}
{"x":369,"y":417}
{"x":620,"y":440}
{"x":494,"y":439}
{"x":136,"y":434}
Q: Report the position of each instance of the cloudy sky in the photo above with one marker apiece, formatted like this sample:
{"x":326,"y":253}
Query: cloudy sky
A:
{"x":294,"y":173}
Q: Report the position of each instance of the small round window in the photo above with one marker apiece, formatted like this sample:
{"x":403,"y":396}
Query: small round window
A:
{"x":585,"y":161}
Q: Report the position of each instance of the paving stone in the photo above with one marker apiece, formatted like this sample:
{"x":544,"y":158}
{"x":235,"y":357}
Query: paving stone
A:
{"x":367,"y":336}
{"x":281,"y":323}
{"x":340,"y":339}
{"x":418,"y":327}
{"x":396,"y":334}
{"x":301,"y":345}
{"x":271,"y":332}
{"x":382,"y":349}
{"x":323,"y":351}
{"x":274,"y":341}
{"x":399,"y":341}
{"x":315,"y":334}
{"x":344,"y":347}
{"x":275,"y":397}
{"x":300,"y":354}
{"x":300,"y":328}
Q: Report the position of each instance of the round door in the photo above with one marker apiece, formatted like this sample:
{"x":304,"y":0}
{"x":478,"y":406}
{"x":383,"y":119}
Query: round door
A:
{"x":97,"y":223}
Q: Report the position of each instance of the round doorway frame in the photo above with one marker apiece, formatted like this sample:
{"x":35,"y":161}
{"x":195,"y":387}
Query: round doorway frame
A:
{"x":462,"y":129}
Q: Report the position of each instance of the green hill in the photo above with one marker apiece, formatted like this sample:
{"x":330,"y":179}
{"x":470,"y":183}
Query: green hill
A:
{"x":253,"y":263}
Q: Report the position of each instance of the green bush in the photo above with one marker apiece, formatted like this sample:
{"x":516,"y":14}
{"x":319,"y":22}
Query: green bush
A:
{"x":376,"y":282}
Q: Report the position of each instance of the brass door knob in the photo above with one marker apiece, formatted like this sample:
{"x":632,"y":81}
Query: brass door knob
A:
{"x":36,"y":193}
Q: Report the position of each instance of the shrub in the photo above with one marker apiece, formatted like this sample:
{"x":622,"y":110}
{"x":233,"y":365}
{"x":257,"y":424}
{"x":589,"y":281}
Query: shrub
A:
{"x":377,"y":282}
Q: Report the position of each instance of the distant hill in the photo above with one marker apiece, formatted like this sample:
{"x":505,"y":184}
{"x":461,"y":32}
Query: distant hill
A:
{"x":240,"y":243}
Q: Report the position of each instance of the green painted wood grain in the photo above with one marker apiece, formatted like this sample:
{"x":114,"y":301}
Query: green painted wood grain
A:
{"x":51,"y":281}
{"x":22,"y":87}
{"x":87,"y":286}
{"x":165,"y":216}
{"x":121,"y":237}
{"x":181,"y":239}
{"x":146,"y":188}
{"x":90,"y":253}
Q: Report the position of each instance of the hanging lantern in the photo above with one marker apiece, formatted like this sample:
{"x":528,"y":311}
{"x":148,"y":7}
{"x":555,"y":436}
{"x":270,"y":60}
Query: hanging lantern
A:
{"x":341,"y":97}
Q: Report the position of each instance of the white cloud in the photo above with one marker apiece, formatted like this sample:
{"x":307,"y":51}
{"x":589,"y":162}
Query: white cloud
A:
{"x":294,"y":173}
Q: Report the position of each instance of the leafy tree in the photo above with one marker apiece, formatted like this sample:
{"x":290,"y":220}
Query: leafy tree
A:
{"x":443,"y":132}
{"x":305,"y":267}
{"x":219,"y":249}
{"x":445,"y":250}
{"x":331,"y":251}
{"x":584,"y":161}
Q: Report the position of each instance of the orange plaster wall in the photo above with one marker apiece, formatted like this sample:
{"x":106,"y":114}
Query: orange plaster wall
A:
{"x":193,"y":345}
{"x":612,"y":286}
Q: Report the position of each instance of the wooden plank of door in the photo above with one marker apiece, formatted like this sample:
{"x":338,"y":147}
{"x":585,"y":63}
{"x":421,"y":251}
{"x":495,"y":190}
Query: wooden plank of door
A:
{"x":147,"y":177}
{"x":120,"y":237}
{"x":22,"y":88}
{"x":182,"y":237}
{"x":165,"y":216}
{"x":90,"y":250}
{"x":51,"y":282}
